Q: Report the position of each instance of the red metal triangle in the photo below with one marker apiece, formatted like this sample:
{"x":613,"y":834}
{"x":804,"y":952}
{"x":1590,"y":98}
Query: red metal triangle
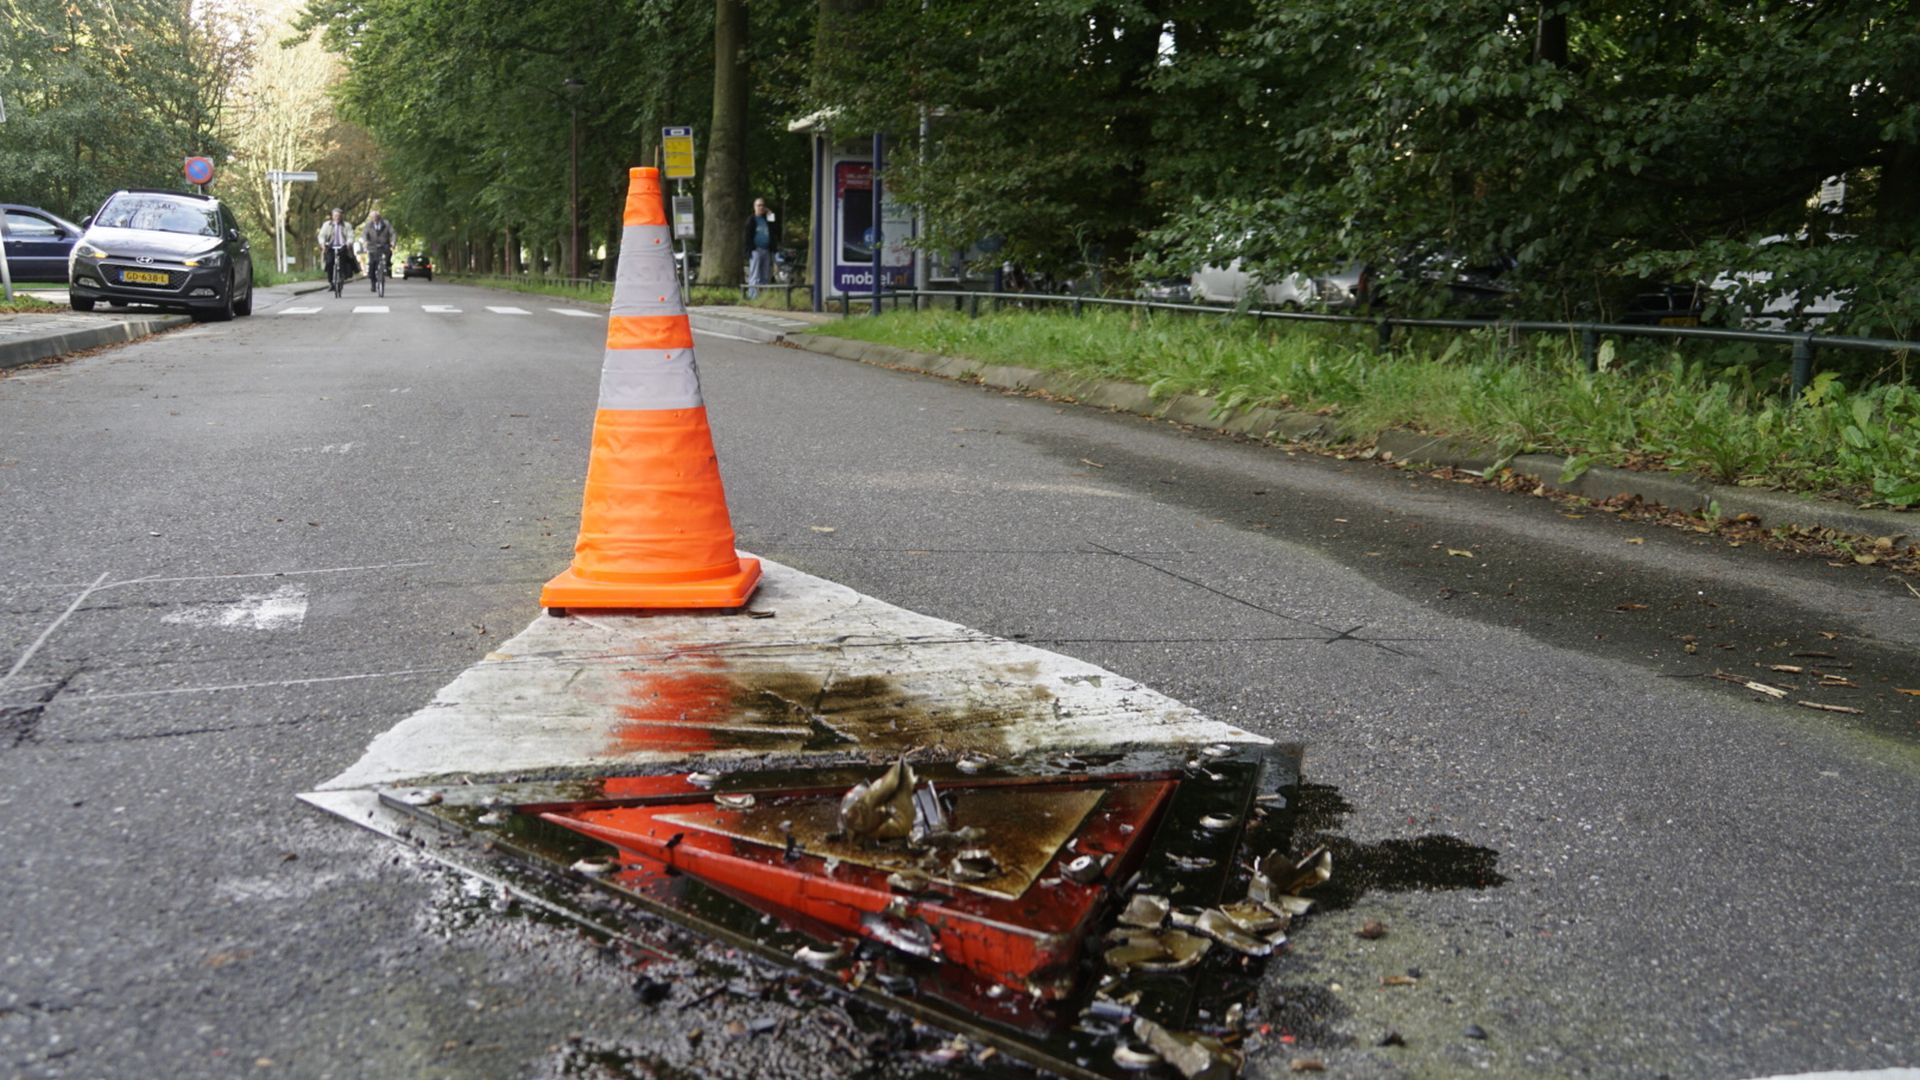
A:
{"x":1029,"y":942}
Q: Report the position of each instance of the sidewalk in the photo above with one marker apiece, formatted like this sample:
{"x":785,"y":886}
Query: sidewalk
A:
{"x":25,"y":339}
{"x":754,"y":324}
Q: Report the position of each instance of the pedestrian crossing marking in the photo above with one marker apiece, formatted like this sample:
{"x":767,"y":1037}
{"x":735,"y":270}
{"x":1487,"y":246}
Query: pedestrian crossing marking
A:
{"x":370,"y":309}
{"x":299,"y":311}
{"x":508,"y":310}
{"x":440,"y":309}
{"x":573,"y":311}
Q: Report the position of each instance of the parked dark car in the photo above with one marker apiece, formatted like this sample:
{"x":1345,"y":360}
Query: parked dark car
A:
{"x":166,"y":248}
{"x":1666,"y":304}
{"x":417,"y":265}
{"x":38,"y":243}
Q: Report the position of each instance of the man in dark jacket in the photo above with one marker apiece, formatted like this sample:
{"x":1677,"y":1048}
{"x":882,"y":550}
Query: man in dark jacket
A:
{"x":763,"y":239}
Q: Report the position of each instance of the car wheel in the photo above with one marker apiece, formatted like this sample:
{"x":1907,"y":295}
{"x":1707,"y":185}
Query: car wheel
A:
{"x":220,"y":312}
{"x":245,"y":307}
{"x":81,"y":303}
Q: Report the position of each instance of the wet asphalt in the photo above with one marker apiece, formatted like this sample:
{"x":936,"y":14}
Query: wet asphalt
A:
{"x":1591,"y":851}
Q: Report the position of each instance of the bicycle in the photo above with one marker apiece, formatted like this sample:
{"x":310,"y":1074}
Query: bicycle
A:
{"x":337,"y":269}
{"x":379,"y":268}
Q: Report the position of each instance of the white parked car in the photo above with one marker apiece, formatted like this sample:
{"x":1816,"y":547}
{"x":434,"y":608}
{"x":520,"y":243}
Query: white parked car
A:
{"x":1229,"y":284}
{"x":1344,"y":288}
{"x":1786,"y":308}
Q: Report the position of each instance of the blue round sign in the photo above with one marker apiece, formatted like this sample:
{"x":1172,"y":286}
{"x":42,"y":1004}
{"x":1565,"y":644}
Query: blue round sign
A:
{"x":199,"y":170}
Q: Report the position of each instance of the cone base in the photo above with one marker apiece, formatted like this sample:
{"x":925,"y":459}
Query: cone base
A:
{"x":570,"y":590}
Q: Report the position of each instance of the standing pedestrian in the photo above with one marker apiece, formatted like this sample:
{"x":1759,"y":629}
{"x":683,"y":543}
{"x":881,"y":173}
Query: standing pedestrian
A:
{"x":763,"y":239}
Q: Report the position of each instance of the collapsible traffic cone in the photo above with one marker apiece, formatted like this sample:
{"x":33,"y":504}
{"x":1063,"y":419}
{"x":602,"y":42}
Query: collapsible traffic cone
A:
{"x":654,"y":530}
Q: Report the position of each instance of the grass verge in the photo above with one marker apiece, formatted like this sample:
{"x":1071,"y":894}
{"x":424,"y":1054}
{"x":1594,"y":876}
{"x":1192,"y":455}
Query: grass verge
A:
{"x":1721,"y":412}
{"x":29,"y":305}
{"x":599,"y":292}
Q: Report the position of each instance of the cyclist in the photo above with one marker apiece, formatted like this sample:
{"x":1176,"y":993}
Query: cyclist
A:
{"x":378,"y":235}
{"x":336,"y":240}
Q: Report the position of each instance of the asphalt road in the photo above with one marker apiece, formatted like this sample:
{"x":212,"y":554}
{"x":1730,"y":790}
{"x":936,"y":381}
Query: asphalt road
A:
{"x":258,"y":545}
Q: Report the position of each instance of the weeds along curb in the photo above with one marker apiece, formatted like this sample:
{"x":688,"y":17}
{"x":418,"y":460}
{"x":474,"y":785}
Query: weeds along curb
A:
{"x":1673,"y":490}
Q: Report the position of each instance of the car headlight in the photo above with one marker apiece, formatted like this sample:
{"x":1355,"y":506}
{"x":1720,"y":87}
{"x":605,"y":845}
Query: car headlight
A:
{"x":91,"y":251}
{"x":211,"y":258}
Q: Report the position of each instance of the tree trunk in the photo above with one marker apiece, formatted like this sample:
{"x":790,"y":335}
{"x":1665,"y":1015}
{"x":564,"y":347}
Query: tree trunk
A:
{"x":1550,"y":41}
{"x":726,"y":209}
{"x":513,"y":251}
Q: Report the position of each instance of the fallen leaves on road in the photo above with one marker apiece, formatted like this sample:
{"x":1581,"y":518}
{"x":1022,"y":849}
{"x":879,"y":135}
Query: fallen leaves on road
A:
{"x":1459,"y":553}
{"x":1629,"y":607}
{"x":1636,"y":539}
{"x":822,"y":528}
{"x":1399,"y":980}
{"x":1909,"y":693}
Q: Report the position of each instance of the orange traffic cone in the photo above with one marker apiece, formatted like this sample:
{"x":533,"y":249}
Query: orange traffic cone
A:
{"x":654,"y":530}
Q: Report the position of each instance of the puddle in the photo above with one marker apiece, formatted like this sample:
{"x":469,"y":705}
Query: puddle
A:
{"x":1434,"y":862}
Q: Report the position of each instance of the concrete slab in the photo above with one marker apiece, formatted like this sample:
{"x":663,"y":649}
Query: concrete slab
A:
{"x":825,"y":674}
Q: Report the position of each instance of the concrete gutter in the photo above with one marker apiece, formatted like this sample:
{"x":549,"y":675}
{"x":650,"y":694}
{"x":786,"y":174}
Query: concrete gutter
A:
{"x":1677,"y":491}
{"x":65,"y":336}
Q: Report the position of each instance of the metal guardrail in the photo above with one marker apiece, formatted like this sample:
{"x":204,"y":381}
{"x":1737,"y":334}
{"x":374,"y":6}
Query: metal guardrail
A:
{"x":1802,"y":345}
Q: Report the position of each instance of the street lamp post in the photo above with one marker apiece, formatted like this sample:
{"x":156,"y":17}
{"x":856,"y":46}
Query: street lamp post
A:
{"x":573,"y":88}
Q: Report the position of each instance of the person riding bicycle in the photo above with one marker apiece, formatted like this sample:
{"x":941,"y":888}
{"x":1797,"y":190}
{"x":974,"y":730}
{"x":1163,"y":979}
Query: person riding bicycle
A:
{"x":336,"y":241}
{"x":378,"y":235}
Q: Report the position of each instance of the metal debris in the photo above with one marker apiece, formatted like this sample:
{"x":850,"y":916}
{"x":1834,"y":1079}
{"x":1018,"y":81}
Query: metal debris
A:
{"x":1084,"y":868}
{"x":1197,"y":1057}
{"x":820,"y":957}
{"x":929,"y":815}
{"x":493,"y":817}
{"x":972,"y":763}
{"x":733,"y":802}
{"x":909,"y":881}
{"x":703,"y":779}
{"x":1156,"y":950}
{"x":1256,"y":918}
{"x":1133,"y":1056}
{"x":1190,"y":862}
{"x":421,"y":797}
{"x":1215,"y":924}
{"x":1146,"y":911}
{"x":881,"y":809}
{"x":1218,"y":822}
{"x":973,"y":864}
{"x":594,"y":866}
{"x":912,"y":938}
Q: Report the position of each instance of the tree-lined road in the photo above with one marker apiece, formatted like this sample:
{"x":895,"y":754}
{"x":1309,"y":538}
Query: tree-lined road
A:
{"x":239,"y":552}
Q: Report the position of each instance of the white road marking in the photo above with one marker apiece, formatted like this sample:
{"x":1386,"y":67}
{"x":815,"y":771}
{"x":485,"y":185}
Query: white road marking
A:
{"x":609,"y":692}
{"x":370,"y":309}
{"x":285,"y":608}
{"x":298,"y":311}
{"x":574,"y":311}
{"x":330,"y":448}
{"x":1871,"y":1074}
{"x":508,"y":310}
{"x":440,"y":309}
{"x":48,"y":632}
{"x":729,"y":337}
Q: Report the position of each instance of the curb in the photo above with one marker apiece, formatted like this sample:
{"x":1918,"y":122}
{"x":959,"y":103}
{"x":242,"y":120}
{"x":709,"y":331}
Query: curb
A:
{"x":1673,"y":490}
{"x":21,"y":351}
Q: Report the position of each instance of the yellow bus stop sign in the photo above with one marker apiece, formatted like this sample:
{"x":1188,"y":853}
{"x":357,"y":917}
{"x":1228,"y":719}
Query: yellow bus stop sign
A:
{"x":676,"y":144}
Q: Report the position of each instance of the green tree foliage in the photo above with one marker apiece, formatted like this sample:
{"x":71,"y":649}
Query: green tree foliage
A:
{"x":1598,"y":145}
{"x":468,"y":102}
{"x":103,"y":94}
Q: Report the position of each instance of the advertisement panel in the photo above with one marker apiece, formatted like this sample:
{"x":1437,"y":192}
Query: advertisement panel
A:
{"x":852,"y":236}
